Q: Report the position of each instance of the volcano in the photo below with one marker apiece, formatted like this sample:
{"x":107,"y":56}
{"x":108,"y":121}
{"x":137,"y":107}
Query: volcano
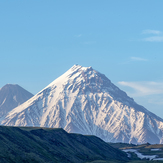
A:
{"x":85,"y":101}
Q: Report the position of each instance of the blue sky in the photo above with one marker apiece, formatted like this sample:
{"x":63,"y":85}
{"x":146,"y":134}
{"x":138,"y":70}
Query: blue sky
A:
{"x":40,"y":40}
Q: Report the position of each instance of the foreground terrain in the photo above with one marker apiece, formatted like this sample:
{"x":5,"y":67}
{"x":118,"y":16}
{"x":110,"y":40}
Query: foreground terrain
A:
{"x":35,"y":144}
{"x":27,"y":144}
{"x":146,"y":152}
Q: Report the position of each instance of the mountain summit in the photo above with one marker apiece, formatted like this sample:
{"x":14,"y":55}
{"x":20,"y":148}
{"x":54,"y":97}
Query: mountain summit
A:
{"x":85,"y":101}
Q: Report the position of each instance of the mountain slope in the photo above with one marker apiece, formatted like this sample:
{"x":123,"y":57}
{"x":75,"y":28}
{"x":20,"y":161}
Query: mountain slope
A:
{"x":85,"y":101}
{"x":53,"y":145}
{"x":12,"y":95}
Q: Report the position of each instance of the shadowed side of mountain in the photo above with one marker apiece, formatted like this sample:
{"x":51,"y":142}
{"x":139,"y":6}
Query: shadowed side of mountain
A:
{"x":24,"y":144}
{"x":11,"y":96}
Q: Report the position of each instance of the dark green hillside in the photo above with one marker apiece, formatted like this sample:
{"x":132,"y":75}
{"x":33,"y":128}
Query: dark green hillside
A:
{"x":24,"y":144}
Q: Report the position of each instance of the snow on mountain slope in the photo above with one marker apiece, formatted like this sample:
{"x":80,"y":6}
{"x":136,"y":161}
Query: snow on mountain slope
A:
{"x":12,"y":95}
{"x":85,"y":101}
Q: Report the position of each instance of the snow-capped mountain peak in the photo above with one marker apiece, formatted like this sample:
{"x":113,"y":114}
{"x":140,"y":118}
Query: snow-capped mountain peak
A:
{"x":83,"y":100}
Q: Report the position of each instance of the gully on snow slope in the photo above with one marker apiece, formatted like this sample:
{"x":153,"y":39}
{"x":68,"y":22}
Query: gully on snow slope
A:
{"x":85,"y":101}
